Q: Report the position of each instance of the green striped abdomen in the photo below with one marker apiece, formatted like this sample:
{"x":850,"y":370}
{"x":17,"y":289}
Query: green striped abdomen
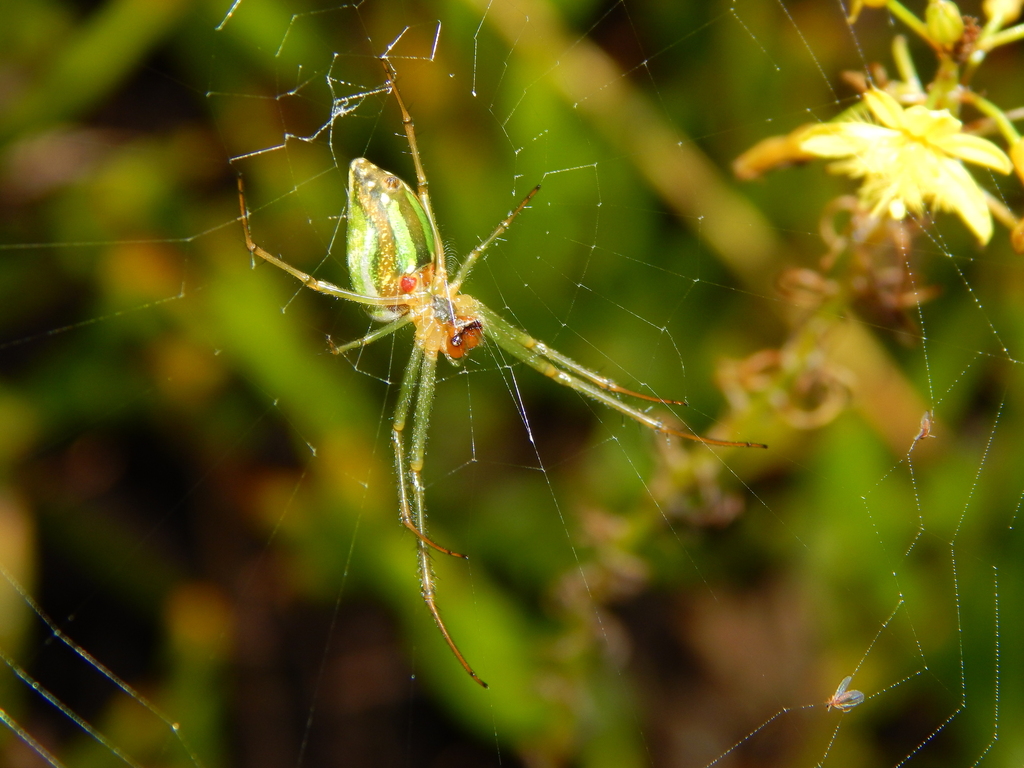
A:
{"x":389,"y":236}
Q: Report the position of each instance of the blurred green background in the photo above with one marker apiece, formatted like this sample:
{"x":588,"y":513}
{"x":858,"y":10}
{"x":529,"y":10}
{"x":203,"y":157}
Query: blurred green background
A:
{"x":202,"y":498}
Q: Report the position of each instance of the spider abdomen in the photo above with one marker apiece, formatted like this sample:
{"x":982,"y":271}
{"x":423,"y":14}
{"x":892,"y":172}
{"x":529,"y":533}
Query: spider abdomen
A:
{"x":390,"y":236}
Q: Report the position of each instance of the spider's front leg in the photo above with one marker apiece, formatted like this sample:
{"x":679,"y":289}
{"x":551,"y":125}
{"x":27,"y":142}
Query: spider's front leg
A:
{"x":563,"y":370}
{"x":320,"y":286}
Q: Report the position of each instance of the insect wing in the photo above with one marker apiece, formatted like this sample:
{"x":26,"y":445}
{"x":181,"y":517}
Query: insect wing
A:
{"x":389,"y":233}
{"x":843,"y":699}
{"x":842,"y":687}
{"x":848,"y":700}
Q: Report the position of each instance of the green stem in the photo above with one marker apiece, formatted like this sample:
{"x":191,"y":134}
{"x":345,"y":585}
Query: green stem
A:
{"x":993,"y":25}
{"x":905,"y":63}
{"x":898,"y":10}
{"x":1008,"y":35}
{"x":991,"y":39}
{"x":1000,"y":118}
{"x":946,"y":82}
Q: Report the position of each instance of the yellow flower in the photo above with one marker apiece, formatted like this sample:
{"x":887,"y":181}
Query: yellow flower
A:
{"x":909,"y":160}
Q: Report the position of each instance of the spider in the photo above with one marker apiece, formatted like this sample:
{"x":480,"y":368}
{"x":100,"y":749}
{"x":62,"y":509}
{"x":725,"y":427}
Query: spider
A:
{"x":397,"y":267}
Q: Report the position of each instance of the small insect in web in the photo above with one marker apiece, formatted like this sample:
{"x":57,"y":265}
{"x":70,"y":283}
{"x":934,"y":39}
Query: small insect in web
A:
{"x":927,"y":425}
{"x":397,"y":267}
{"x":843,"y":699}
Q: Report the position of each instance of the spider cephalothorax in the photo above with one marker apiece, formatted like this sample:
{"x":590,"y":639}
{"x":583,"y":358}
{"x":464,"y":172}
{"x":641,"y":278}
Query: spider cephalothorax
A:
{"x":449,"y":325}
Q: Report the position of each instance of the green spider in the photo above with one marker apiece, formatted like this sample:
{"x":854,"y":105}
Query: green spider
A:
{"x":397,"y":266}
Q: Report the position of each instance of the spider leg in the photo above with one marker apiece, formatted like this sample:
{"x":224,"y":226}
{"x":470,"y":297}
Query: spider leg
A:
{"x":585,"y":373}
{"x":430,"y":598}
{"x":422,"y":184}
{"x":322,"y":286}
{"x":499,"y":230}
{"x":410,"y":130}
{"x":369,"y":338}
{"x":422,"y":370}
{"x":523,"y":347}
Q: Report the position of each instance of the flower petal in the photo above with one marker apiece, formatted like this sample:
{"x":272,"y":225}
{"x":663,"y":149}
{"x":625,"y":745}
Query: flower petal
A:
{"x":885,"y":108}
{"x":773,"y":152}
{"x":957,"y":191}
{"x":841,"y":139}
{"x":1017,"y":155}
{"x":930,"y":124}
{"x":975,"y":149}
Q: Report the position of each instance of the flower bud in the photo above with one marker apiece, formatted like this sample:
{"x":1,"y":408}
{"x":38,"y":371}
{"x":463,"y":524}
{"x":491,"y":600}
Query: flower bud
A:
{"x":944,"y":21}
{"x":1005,"y":10}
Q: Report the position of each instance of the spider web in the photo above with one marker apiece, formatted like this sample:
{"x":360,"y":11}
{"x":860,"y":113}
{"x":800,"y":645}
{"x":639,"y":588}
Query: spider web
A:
{"x":201,"y":562}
